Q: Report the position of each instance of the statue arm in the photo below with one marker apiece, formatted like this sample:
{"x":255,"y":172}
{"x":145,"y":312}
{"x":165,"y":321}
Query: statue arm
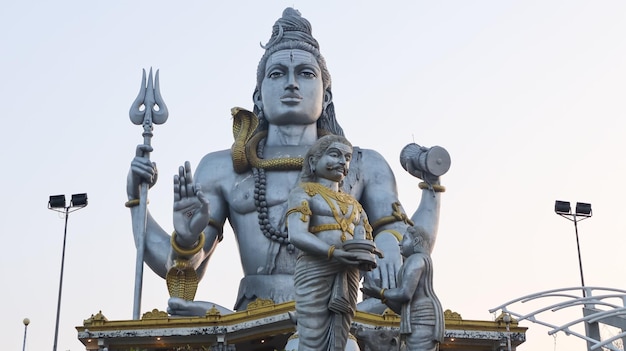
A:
{"x":213,"y":235}
{"x":157,"y":254}
{"x":379,"y":198}
{"x":394,"y":298}
{"x":299,"y":217}
{"x":427,"y":214}
{"x":157,"y":240}
{"x":412,"y":272}
{"x":387,"y":216}
{"x":207,"y":182}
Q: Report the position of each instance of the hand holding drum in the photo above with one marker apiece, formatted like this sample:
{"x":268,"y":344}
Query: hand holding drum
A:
{"x":418,"y":160}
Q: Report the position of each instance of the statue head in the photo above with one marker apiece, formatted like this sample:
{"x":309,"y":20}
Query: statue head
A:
{"x":316,"y":152}
{"x":417,"y":241}
{"x":293,"y":32}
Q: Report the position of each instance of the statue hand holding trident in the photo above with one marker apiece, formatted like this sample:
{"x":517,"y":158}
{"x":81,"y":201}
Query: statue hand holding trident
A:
{"x":191,"y":207}
{"x":148,"y":108}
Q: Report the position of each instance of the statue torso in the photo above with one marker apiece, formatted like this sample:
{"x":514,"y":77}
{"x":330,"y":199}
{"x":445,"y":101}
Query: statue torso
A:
{"x":258,"y":254}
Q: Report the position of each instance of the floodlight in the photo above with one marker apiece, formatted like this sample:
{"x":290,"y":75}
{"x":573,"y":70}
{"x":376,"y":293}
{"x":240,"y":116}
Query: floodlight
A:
{"x":56,"y":201}
{"x":79,"y":200}
{"x":583,"y":209}
{"x":562,"y":207}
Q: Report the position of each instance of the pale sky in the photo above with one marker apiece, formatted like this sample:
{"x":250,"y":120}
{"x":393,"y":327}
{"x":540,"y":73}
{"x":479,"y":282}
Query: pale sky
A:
{"x":527,"y":97}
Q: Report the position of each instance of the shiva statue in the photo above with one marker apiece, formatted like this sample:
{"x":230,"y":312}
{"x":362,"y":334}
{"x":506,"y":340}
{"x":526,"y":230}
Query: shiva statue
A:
{"x":249,"y":183}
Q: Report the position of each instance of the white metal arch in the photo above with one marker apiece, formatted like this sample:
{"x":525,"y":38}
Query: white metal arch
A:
{"x":597,"y":308}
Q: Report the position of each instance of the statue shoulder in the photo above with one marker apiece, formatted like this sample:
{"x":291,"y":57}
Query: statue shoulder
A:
{"x":216,"y":157}
{"x":215,"y":164}
{"x":298,"y":193}
{"x":416,"y":261}
{"x":367,"y":162}
{"x":367,"y":156}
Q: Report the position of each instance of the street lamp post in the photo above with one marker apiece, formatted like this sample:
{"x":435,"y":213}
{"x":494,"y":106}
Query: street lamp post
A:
{"x":583,"y":211}
{"x":57,"y":203}
{"x":26,"y":322}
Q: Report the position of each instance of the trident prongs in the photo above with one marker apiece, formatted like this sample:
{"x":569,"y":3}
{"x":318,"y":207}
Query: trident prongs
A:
{"x":149,"y":106}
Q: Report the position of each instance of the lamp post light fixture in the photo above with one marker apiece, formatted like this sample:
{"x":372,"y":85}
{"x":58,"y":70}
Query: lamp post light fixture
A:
{"x":582,"y":211}
{"x":26,"y":322}
{"x":57,"y":203}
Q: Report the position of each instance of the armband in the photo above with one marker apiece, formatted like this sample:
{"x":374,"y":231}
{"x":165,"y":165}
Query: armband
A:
{"x":396,"y":216}
{"x":394,"y":233}
{"x":303,"y":209}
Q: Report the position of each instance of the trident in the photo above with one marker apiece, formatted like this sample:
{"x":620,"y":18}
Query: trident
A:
{"x":148,"y":108}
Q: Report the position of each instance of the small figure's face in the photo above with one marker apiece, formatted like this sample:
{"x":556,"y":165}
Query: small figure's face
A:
{"x":406,"y":245}
{"x":335,"y":162}
{"x":292,"y":91}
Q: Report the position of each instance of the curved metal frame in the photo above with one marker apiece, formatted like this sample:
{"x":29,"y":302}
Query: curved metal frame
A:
{"x":591,"y":314}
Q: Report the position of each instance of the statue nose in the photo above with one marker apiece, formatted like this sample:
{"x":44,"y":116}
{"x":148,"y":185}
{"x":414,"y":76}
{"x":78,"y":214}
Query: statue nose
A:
{"x":292,"y":81}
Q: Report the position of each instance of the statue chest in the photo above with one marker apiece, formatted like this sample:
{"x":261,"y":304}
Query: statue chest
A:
{"x":272,"y":187}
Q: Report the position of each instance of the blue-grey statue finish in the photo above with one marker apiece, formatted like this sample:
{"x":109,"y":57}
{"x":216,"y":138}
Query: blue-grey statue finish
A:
{"x":322,"y":222}
{"x":422,"y":320}
{"x":249,"y":184}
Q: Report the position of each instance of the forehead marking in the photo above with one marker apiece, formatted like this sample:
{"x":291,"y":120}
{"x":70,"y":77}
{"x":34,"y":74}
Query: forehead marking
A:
{"x":293,"y":55}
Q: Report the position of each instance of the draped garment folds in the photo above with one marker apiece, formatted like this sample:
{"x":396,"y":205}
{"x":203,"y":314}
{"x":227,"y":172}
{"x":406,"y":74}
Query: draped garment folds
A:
{"x":326,"y":295}
{"x":422,"y":322}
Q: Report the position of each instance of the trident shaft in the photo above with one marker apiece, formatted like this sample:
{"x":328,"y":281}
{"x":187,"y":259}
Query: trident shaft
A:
{"x":147,"y":109}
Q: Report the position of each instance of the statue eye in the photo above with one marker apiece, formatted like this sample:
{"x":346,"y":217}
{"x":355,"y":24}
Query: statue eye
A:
{"x":275,"y":74}
{"x":308,"y":74}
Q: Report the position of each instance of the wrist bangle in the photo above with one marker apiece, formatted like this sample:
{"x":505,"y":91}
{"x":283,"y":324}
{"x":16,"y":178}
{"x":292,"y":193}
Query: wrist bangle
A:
{"x":131,"y":203}
{"x":434,"y":187}
{"x":331,"y":250}
{"x":382,"y":295}
{"x":187,"y":252}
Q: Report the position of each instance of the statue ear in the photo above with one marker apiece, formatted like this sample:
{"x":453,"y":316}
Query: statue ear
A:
{"x":258,"y":101}
{"x":328,"y":98}
{"x":311,"y":164}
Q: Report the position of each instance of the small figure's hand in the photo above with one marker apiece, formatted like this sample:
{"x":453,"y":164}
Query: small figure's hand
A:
{"x":371,"y":290}
{"x":345,"y":257}
{"x":142,"y":170}
{"x":191,"y":207}
{"x":388,"y":266}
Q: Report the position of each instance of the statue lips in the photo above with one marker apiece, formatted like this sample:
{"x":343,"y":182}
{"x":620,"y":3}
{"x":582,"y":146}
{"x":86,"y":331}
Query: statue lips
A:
{"x":291,"y":98}
{"x":339,"y":169}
